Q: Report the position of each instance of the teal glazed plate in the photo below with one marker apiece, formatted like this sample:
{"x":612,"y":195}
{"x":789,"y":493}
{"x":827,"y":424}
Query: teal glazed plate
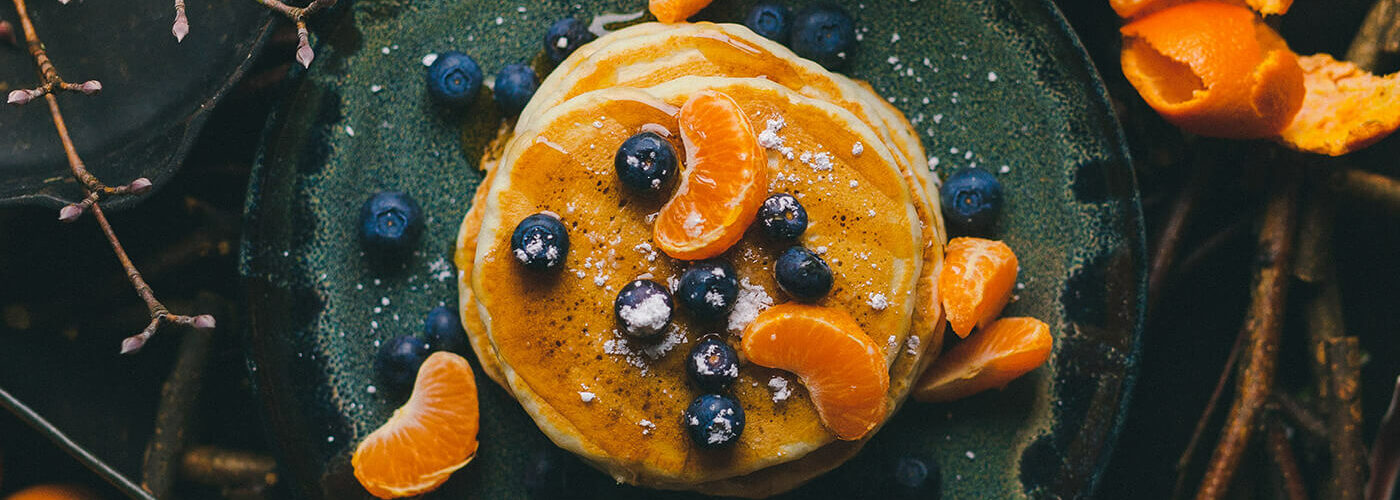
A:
{"x":999,"y":84}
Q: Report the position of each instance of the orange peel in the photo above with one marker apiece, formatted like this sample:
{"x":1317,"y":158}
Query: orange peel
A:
{"x":1345,"y":108}
{"x":1130,"y":9}
{"x":1214,"y":69}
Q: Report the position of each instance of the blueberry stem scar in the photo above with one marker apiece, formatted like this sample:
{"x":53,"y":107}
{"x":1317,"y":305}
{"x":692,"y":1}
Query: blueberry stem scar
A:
{"x":93,"y":188}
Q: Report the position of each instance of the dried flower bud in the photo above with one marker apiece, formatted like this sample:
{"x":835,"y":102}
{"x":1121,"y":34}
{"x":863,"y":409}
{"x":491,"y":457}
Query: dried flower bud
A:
{"x":204,"y":322}
{"x":140,"y":186}
{"x":134,"y":343}
{"x":304,"y":52}
{"x":90,"y":87}
{"x":70,"y":213}
{"x":181,"y":26}
{"x":22,"y":96}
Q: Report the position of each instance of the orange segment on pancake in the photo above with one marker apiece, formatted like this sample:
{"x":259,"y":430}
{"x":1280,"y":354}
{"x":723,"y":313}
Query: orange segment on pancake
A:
{"x":724,"y":183}
{"x":1129,"y":9}
{"x":990,"y":358}
{"x":1345,"y":109}
{"x":838,"y":363}
{"x":976,"y":281}
{"x":1213,"y":69}
{"x":675,"y":11}
{"x":426,"y":439}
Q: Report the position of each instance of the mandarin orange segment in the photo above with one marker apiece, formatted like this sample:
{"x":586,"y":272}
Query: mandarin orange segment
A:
{"x":1129,"y":9}
{"x":840,"y":365}
{"x":54,"y":492}
{"x":1346,"y":108}
{"x":990,"y":358}
{"x":1213,"y":69}
{"x":675,"y":11}
{"x":976,"y":281}
{"x":724,"y":183}
{"x":428,"y":438}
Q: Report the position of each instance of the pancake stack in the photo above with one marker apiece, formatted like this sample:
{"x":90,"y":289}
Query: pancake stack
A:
{"x":552,"y":340}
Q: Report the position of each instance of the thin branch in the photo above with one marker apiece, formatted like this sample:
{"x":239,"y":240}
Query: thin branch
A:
{"x":1377,"y":34}
{"x":1256,"y":376}
{"x":1183,"y":463}
{"x":298,"y":15}
{"x":1344,"y":418}
{"x":1385,"y":452}
{"x":1375,"y":189}
{"x":37,"y":422}
{"x":1303,"y":418}
{"x":93,"y":188}
{"x":1172,"y":231}
{"x":1281,"y":453}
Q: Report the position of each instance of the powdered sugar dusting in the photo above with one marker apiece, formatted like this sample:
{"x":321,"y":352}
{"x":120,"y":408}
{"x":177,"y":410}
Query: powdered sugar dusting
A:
{"x":781,"y":391}
{"x":878,"y":301}
{"x":752,"y":300}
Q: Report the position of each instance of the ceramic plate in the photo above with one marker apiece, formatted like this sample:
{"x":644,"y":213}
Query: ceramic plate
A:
{"x":1002,"y":84}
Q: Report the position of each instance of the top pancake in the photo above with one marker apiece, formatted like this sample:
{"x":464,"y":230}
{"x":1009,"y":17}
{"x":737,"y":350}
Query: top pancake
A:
{"x":555,"y":335}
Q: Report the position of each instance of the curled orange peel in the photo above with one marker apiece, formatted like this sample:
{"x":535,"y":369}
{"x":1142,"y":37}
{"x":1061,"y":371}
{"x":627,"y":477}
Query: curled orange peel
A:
{"x":1345,"y":108}
{"x":1130,"y":9}
{"x":1214,"y":69}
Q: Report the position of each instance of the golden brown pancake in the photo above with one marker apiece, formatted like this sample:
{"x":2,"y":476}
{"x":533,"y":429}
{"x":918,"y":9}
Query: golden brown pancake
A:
{"x":663,"y":457}
{"x":555,"y":336}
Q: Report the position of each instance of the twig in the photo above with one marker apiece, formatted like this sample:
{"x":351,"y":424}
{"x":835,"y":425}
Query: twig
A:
{"x":94,"y":188}
{"x":1303,"y":417}
{"x":298,"y":15}
{"x":1385,"y":452}
{"x":1172,"y":231}
{"x":1256,"y":376}
{"x":1368,"y":187}
{"x":1281,"y":451}
{"x":214,"y":466}
{"x":37,"y":422}
{"x":1344,"y":419}
{"x":1183,"y":463}
{"x":1212,"y":244}
{"x":1377,"y":34}
{"x":1315,"y":265}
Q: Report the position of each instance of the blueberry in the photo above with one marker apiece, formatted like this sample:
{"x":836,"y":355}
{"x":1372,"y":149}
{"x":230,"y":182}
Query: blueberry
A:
{"x":714,"y":420}
{"x":515,"y":85}
{"x":454,"y":79}
{"x":540,"y":242}
{"x":803,"y":274}
{"x":643,"y":308}
{"x":915,"y":478}
{"x":782,"y":217}
{"x":772,"y":20}
{"x":390,"y":221}
{"x":825,"y":34}
{"x":443,"y":330}
{"x":398,"y":360}
{"x":645,"y":163}
{"x":564,"y":37}
{"x":708,"y":289}
{"x":971,"y":200}
{"x":712,"y":364}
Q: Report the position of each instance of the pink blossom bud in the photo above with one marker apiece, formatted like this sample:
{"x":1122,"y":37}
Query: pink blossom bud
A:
{"x":134,"y":343}
{"x":305,"y":54}
{"x":181,"y":27}
{"x":70,"y":213}
{"x":140,"y":186}
{"x":7,"y":33}
{"x":91,"y":87}
{"x":21,"y":96}
{"x":204,"y":322}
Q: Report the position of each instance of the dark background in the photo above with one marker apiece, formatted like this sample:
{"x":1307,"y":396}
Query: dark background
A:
{"x":62,"y":296}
